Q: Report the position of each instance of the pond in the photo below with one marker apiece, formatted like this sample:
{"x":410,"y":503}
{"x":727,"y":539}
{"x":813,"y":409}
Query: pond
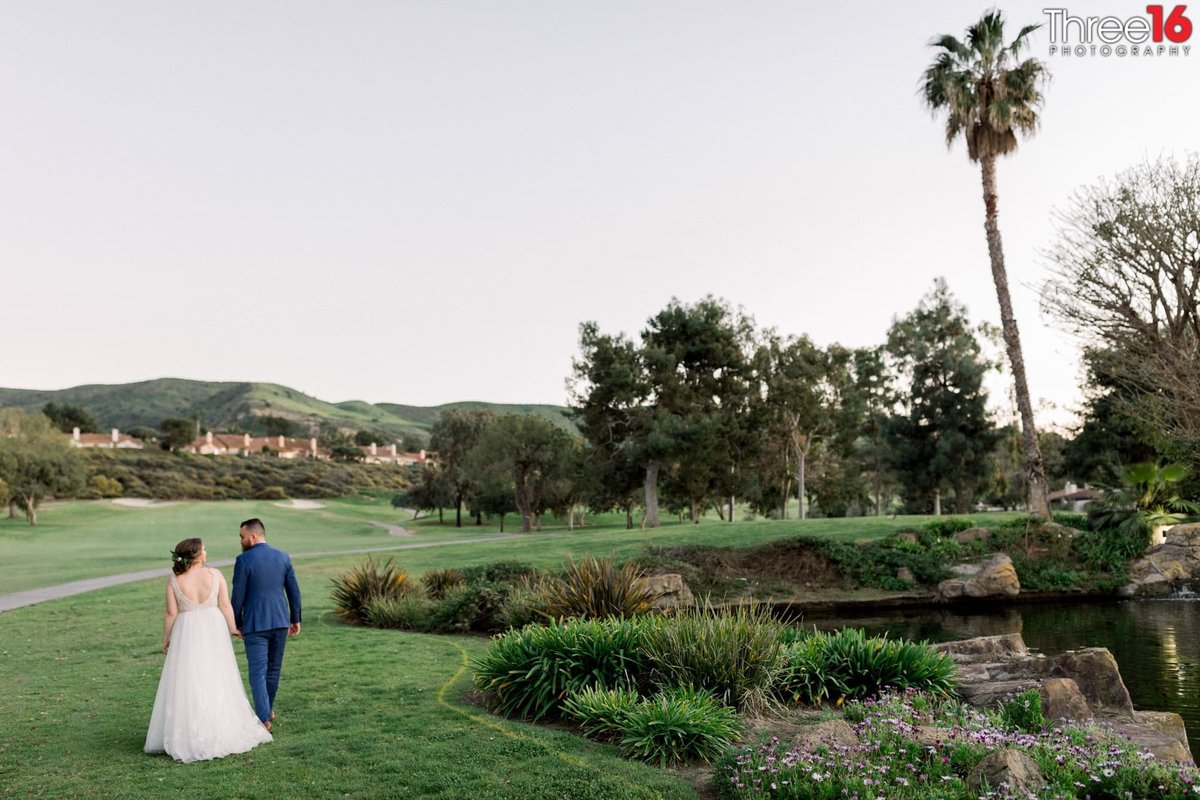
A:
{"x":1156,"y":642}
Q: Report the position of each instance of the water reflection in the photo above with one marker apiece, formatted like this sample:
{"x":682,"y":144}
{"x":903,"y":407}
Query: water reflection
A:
{"x":1156,"y":642}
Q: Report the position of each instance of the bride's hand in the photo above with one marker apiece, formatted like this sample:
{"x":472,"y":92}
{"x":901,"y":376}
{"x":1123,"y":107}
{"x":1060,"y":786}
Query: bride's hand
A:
{"x":235,"y":633}
{"x":165,"y":646}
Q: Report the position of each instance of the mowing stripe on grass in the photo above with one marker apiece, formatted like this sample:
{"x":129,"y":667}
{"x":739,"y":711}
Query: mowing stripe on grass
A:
{"x":574,"y":761}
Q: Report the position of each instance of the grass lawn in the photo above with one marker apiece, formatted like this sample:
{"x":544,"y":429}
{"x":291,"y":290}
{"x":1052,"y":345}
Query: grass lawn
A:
{"x":362,"y":713}
{"x":80,"y":540}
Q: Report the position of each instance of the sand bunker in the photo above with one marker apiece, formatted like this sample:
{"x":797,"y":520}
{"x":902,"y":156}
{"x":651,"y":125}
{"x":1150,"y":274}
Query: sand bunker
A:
{"x":301,"y":505}
{"x":141,"y":502}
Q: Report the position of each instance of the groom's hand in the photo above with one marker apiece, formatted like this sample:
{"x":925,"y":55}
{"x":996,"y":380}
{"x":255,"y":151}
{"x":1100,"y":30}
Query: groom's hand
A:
{"x":294,"y":630}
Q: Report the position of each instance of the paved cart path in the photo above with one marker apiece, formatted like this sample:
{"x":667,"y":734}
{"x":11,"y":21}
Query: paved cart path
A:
{"x":27,"y":598}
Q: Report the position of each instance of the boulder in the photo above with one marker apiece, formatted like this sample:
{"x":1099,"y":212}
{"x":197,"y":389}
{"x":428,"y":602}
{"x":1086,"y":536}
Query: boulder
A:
{"x":1005,"y":645}
{"x":991,"y":694}
{"x":832,"y":733}
{"x":1164,"y":746}
{"x":905,"y":574}
{"x":1095,"y":671}
{"x":1168,"y":566}
{"x":996,"y":577}
{"x":668,"y":591}
{"x":1168,"y":723}
{"x":1013,"y":768}
{"x":1063,"y":699}
{"x":908,"y":536}
{"x":972,"y":535}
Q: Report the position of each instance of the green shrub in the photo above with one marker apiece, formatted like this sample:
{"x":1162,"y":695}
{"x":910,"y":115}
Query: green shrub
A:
{"x":848,"y":664}
{"x":408,"y":611}
{"x":530,"y":672}
{"x":499,"y":572}
{"x":737,"y":655}
{"x":1023,"y":712}
{"x":948,"y":526}
{"x":596,"y":588}
{"x":526,"y":602}
{"x":809,"y":677}
{"x":437,"y":581}
{"x":677,"y":725}
{"x":354,"y":590}
{"x":470,"y":607}
{"x":600,"y":712}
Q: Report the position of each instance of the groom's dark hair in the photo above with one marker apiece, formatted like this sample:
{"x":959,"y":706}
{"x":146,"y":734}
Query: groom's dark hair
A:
{"x":255,"y":526}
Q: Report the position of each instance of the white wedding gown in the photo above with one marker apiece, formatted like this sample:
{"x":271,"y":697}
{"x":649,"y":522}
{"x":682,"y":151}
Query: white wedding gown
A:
{"x":201,"y":710}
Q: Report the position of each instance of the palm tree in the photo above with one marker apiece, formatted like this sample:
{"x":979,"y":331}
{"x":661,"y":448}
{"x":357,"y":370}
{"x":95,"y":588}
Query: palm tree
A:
{"x":988,"y":95}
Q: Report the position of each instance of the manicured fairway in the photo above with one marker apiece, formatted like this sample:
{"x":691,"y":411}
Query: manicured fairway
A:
{"x":362,"y":713}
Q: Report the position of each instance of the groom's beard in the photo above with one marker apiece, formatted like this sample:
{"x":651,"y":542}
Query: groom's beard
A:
{"x":246,"y":547}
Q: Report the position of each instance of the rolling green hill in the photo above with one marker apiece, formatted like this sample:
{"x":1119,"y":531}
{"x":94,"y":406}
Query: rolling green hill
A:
{"x":225,"y":405}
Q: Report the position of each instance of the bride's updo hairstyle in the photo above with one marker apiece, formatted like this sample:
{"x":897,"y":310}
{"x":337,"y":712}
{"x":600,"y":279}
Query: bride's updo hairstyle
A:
{"x":184,"y":554}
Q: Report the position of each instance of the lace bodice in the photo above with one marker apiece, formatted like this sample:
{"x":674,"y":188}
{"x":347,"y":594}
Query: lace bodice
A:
{"x":187,"y":604}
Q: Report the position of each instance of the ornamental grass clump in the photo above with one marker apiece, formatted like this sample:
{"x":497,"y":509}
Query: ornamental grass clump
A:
{"x":914,"y":746}
{"x":527,"y":602}
{"x":370,"y":581}
{"x":593,"y":588}
{"x":437,"y":581}
{"x":408,"y":611}
{"x":673,"y":726}
{"x":833,"y":667}
{"x":677,"y":725}
{"x":735,"y":654}
{"x":532,"y":671}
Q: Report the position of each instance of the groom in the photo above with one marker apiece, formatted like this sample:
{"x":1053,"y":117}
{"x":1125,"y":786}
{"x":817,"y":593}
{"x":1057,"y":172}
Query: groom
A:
{"x":266,"y":607}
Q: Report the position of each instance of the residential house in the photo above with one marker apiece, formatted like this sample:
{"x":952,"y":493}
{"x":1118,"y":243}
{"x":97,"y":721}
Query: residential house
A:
{"x":114,"y":441}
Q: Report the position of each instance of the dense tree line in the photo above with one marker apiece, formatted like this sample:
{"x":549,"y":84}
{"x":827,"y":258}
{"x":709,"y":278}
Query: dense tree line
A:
{"x":704,"y":411}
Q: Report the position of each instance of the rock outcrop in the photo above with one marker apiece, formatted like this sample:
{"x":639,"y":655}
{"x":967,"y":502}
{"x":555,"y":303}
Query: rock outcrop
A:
{"x":996,"y":577}
{"x":1168,"y":566}
{"x":1078,"y":685}
{"x":1011,"y":768}
{"x":668,"y":591}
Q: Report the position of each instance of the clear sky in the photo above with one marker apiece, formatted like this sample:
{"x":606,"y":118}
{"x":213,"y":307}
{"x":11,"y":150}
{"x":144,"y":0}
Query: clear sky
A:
{"x":419,"y":202}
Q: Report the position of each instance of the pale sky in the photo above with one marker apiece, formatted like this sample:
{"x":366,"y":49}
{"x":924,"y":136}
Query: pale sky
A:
{"x":419,"y":202}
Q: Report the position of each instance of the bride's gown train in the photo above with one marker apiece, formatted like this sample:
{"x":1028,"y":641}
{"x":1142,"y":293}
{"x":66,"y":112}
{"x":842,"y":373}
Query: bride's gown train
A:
{"x":201,"y":710}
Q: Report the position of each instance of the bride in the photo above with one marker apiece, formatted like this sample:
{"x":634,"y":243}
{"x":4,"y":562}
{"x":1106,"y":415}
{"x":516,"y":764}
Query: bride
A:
{"x":200,"y":711}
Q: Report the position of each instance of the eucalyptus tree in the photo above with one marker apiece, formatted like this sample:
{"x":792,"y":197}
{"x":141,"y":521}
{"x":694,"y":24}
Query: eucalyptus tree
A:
{"x":988,"y":94}
{"x":795,"y":399}
{"x":524,"y":452}
{"x":36,"y":462}
{"x":452,"y":436}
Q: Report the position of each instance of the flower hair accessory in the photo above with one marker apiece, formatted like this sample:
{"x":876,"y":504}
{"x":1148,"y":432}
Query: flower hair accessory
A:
{"x":178,"y":559}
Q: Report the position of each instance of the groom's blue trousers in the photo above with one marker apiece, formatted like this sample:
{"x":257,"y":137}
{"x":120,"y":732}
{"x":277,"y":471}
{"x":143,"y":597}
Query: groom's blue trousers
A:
{"x":264,"y":659}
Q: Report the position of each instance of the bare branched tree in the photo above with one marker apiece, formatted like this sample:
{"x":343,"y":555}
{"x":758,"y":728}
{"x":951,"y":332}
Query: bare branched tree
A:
{"x":1126,"y":266}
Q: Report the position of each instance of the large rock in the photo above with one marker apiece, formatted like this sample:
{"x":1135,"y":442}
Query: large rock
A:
{"x":1005,"y":645}
{"x":828,"y":734}
{"x":1063,"y":699}
{"x":996,"y":577}
{"x":1164,"y":738}
{"x":1095,"y":671}
{"x":1012,"y":767}
{"x":1167,"y":567}
{"x":668,"y":591}
{"x":971,"y":535}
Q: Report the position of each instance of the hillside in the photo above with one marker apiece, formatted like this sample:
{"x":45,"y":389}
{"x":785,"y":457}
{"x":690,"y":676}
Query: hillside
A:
{"x":224,"y":405}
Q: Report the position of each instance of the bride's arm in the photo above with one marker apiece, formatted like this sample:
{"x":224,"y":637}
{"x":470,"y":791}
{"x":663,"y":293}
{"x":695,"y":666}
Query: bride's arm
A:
{"x":224,"y":605}
{"x":169,"y":617}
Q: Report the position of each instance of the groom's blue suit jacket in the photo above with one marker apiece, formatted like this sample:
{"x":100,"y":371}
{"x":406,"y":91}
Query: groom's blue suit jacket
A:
{"x":265,"y":592}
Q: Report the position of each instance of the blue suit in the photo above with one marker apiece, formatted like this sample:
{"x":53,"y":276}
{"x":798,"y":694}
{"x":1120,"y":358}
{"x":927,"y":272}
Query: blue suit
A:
{"x":266,"y":601}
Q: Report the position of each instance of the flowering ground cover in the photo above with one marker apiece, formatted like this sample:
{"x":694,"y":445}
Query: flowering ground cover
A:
{"x":912,"y":745}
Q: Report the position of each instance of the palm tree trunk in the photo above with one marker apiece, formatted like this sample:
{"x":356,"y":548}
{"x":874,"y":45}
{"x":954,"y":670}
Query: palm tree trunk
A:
{"x":1035,"y":467}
